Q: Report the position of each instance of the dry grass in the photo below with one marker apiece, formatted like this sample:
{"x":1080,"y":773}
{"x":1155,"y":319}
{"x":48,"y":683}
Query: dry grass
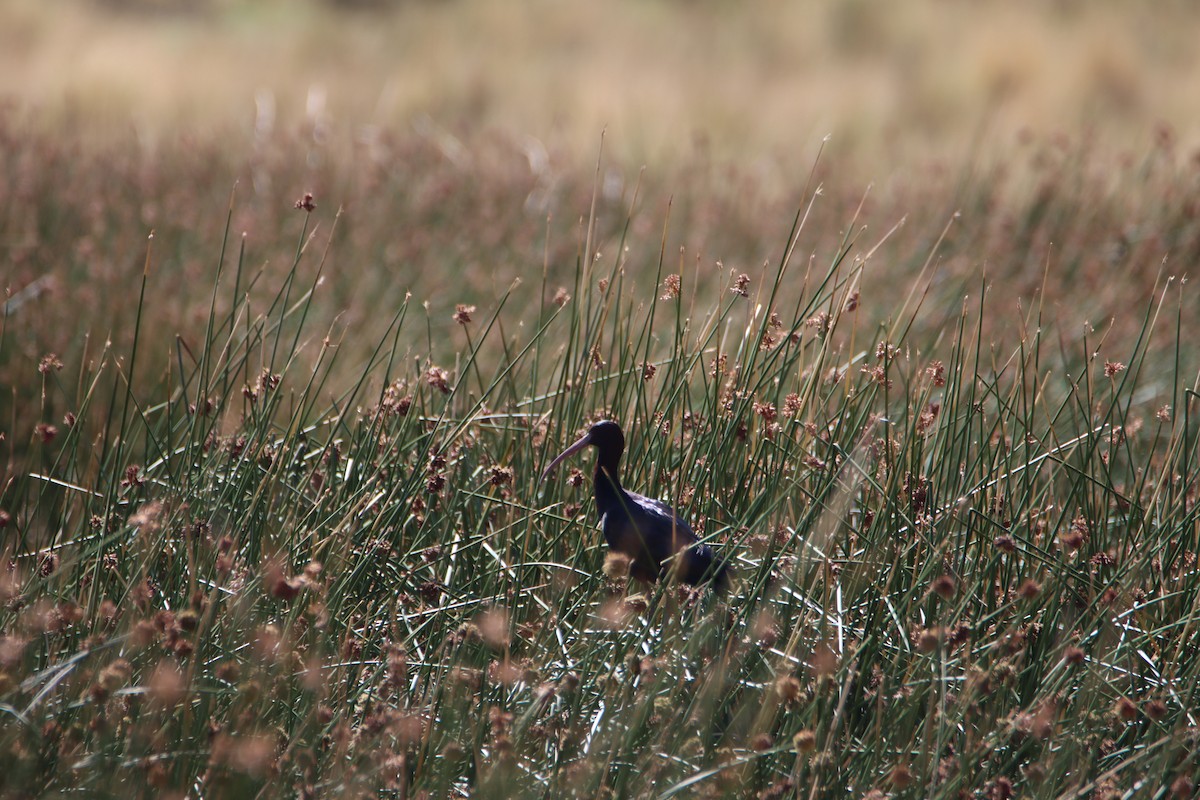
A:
{"x":1087,"y":235}
{"x":892,"y":83}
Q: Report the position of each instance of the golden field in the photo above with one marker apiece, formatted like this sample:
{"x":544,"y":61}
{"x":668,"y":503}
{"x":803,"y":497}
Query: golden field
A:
{"x":756,"y":83}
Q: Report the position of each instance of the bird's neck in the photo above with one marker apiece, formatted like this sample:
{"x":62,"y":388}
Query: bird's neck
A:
{"x":607,"y":481}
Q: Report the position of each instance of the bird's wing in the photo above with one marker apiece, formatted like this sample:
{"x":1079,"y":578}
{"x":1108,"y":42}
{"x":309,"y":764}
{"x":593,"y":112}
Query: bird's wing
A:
{"x":659,"y":510}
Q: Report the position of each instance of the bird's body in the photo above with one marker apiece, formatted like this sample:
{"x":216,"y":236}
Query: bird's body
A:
{"x":656,"y":539}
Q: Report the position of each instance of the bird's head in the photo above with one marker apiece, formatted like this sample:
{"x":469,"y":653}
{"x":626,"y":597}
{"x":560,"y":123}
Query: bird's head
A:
{"x":606,"y":436}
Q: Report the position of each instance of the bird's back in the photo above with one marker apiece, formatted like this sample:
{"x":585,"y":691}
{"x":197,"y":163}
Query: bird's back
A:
{"x":650,"y":532}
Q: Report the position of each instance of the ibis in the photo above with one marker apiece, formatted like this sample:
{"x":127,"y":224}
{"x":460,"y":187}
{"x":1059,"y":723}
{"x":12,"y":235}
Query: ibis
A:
{"x":657,"y":541}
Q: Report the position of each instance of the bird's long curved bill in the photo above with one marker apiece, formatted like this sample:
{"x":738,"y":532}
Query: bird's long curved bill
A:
{"x":570,"y":451}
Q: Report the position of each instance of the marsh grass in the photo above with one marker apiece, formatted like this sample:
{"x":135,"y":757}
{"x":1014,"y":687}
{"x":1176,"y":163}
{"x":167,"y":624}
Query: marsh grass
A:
{"x":964,"y":562}
{"x":1057,"y":222}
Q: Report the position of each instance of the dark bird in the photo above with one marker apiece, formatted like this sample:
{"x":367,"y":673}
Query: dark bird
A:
{"x":649,"y":532}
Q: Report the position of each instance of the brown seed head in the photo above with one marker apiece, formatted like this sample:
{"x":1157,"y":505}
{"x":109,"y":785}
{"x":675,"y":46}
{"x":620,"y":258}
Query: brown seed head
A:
{"x":115,"y":675}
{"x":616,"y":566}
{"x":945,"y":587}
{"x":250,"y":755}
{"x":501,"y":476}
{"x":819,"y":322}
{"x":788,"y":688}
{"x":1072,"y":540}
{"x":494,"y":628}
{"x":1156,"y":710}
{"x":269,"y":643}
{"x":805,"y":741}
{"x":48,"y":564}
{"x":877,"y":373}
{"x":886,"y":352}
{"x":462,"y":313}
{"x":762,"y":741}
{"x":438,"y":378}
{"x":636,"y":604}
{"x":900,"y":777}
{"x":503,"y":671}
{"x":11,"y":650}
{"x":741,"y":285}
{"x":149,"y":517}
{"x":1182,"y":788}
{"x":765,"y":630}
{"x":1125,"y":709}
{"x":936,"y":372}
{"x":166,"y":684}
{"x":229,"y":671}
{"x":50,"y":362}
{"x":133,"y":477}
{"x":280,"y":584}
{"x":1000,"y":789}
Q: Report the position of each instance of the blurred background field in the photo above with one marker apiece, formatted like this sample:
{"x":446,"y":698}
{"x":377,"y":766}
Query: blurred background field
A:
{"x":760,"y":82}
